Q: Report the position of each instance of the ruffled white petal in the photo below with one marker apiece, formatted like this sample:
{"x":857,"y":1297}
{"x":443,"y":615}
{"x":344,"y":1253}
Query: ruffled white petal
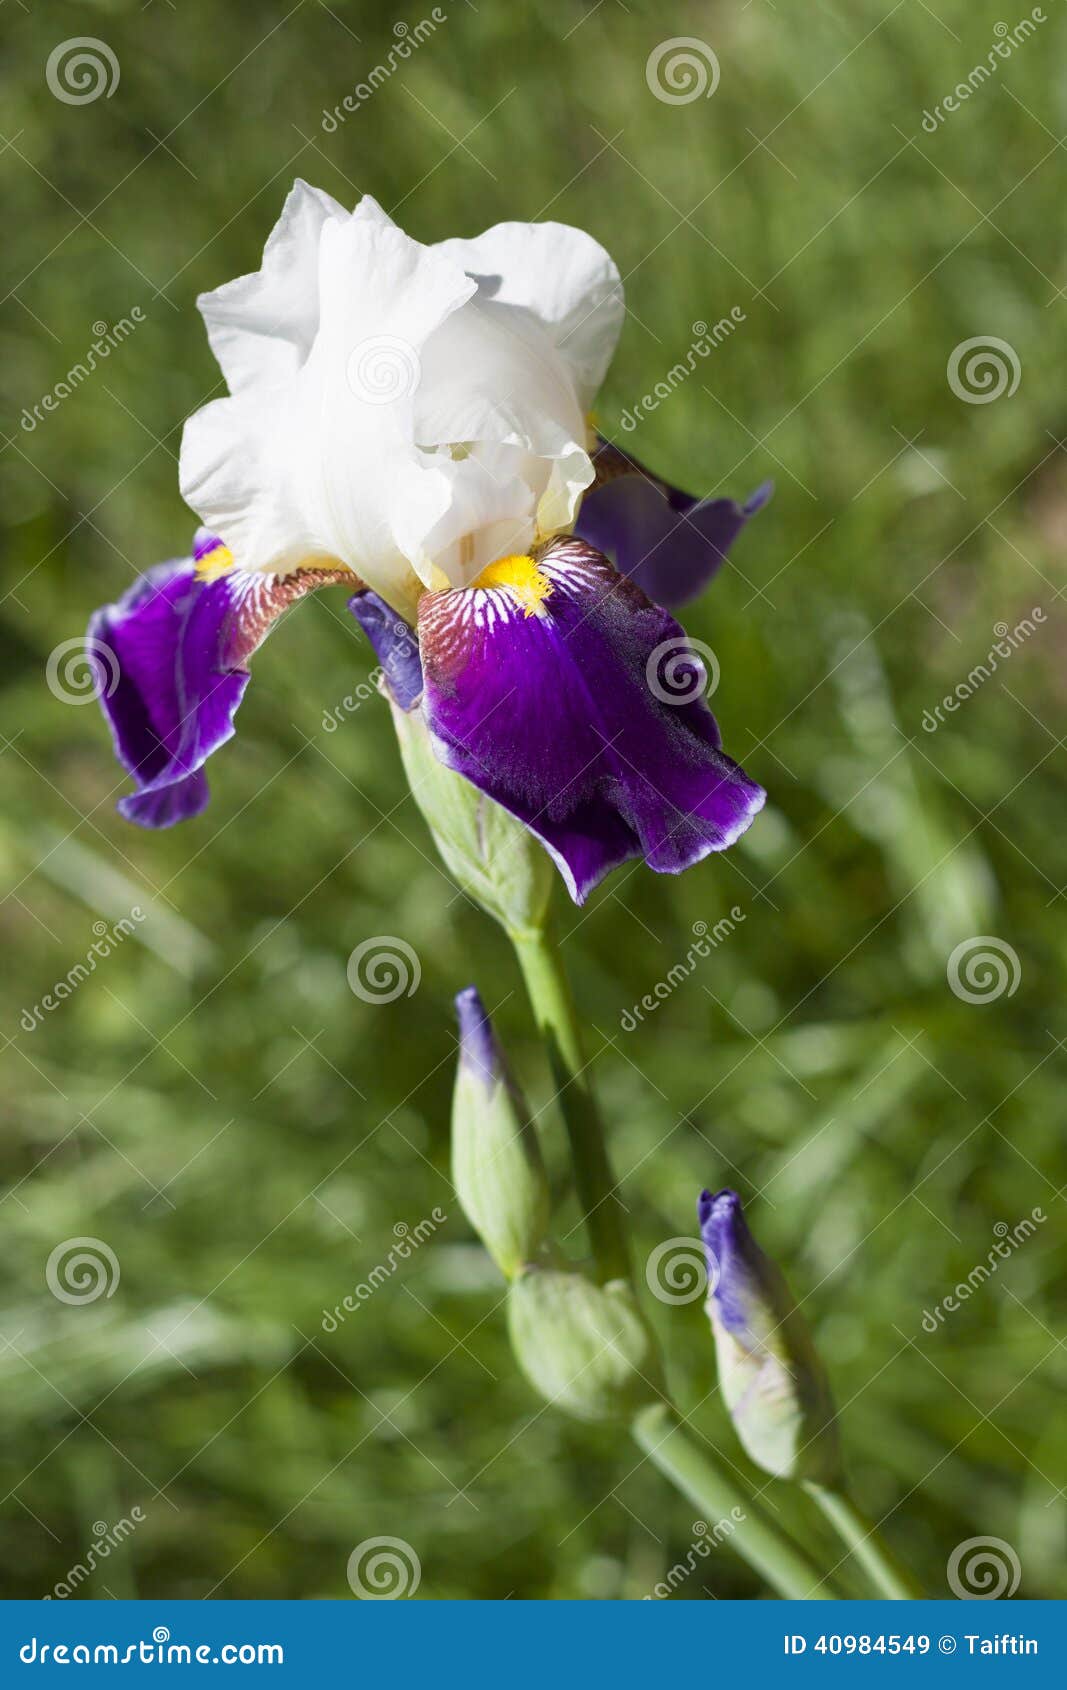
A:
{"x":261,"y":327}
{"x":323,"y":464}
{"x":396,"y":408}
{"x":561,"y":276}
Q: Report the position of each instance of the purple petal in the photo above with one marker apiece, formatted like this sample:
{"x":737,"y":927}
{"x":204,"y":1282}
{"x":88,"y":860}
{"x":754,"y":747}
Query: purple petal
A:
{"x":737,"y":1267}
{"x":668,"y":542}
{"x":175,"y":649}
{"x":478,"y":1047}
{"x":559,"y":713}
{"x":394,"y":644}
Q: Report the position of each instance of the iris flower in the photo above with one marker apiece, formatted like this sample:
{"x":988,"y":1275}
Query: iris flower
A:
{"x":412,"y":422}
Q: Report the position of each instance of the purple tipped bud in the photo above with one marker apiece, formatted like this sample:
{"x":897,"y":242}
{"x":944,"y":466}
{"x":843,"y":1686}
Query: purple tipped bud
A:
{"x":497,"y":1169}
{"x":478,"y":1046}
{"x":772,"y":1380}
{"x":395,"y":646}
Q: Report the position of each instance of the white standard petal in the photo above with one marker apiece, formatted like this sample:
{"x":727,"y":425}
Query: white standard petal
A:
{"x":261,"y":327}
{"x":321,"y":462}
{"x":564,"y":278}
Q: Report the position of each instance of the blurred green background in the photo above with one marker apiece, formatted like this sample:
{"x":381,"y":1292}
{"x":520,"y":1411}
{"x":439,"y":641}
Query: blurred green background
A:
{"x":246,"y":1135}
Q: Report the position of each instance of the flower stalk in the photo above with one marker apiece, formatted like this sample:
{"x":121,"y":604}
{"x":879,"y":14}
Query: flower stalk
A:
{"x":657,"y":1427}
{"x":861,"y":1538}
{"x":660,"y":1432}
{"x":553,"y":1006}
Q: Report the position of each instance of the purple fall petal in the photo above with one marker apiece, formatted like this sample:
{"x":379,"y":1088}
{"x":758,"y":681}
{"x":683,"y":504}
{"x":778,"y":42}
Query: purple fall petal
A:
{"x":668,"y":542}
{"x":177,"y":672}
{"x":556,"y":713}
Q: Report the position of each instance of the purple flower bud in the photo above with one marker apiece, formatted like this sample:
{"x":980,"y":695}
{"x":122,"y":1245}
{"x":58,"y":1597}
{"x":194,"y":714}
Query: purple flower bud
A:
{"x":496,"y":1159}
{"x":772,"y":1379}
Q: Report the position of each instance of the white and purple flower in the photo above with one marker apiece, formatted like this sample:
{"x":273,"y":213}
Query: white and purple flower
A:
{"x":411,"y":421}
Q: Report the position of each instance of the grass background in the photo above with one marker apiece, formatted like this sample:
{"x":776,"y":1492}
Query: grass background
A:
{"x":242,"y":1131}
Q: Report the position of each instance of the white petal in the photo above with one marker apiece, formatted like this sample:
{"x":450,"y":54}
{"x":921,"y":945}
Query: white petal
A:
{"x":564,"y":278}
{"x":491,"y":512}
{"x":323,"y":463}
{"x":491,"y":372}
{"x":261,"y":327}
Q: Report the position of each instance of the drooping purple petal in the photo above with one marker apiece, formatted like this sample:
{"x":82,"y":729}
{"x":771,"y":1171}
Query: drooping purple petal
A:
{"x":668,"y":542}
{"x":550,"y":699}
{"x":394,"y":644}
{"x":179,"y":646}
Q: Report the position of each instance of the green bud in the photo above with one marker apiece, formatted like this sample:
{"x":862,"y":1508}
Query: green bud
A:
{"x":585,"y":1347}
{"x":497,"y":1168}
{"x":488,"y":852}
{"x":772,"y":1379}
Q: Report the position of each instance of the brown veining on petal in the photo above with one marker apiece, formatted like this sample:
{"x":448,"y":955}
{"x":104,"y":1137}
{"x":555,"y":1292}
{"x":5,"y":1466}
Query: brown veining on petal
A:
{"x":260,"y":599}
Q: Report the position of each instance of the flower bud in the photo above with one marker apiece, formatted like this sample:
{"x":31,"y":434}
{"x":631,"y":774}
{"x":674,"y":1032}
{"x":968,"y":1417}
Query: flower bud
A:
{"x":773,"y":1382}
{"x":497,"y":1168}
{"x":490,"y":854}
{"x":585,"y":1347}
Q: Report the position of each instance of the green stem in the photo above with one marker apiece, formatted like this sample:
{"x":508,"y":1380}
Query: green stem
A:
{"x":553,"y":1006}
{"x":665,"y":1440}
{"x":861,"y":1539}
{"x":658,"y":1429}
